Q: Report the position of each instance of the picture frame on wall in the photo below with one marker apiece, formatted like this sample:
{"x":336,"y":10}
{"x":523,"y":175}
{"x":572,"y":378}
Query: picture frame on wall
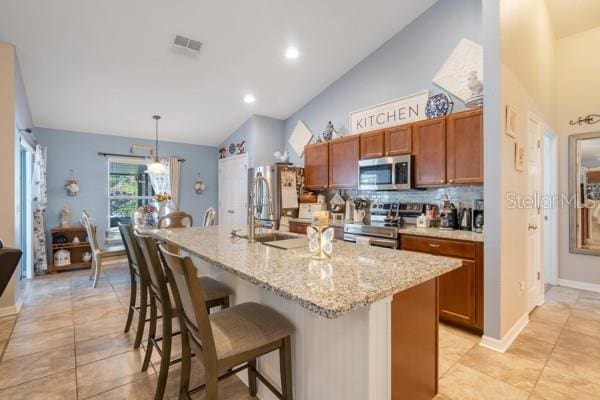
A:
{"x":520,"y":157}
{"x":511,"y":122}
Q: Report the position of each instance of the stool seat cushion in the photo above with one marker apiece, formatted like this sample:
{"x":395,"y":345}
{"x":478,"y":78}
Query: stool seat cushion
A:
{"x":213,"y":289}
{"x":246,"y":327}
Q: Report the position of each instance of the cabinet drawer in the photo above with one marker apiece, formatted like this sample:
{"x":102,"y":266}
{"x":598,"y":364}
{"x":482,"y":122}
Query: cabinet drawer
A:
{"x":439,"y":247}
{"x":298,"y":227}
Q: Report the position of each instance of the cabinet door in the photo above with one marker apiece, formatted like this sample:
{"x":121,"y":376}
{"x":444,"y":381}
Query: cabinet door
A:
{"x":343,"y":162}
{"x":398,"y":140}
{"x":464,"y":143}
{"x":429,"y":148}
{"x":372,"y":145}
{"x":298,"y":227}
{"x":457,"y":295}
{"x":316,"y":166}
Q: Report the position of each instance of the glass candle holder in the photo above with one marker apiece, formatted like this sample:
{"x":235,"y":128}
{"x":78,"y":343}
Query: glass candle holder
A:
{"x":320,"y":218}
{"x":320,"y":241}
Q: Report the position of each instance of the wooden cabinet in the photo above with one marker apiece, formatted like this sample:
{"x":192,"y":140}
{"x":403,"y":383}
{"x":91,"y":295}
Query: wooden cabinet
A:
{"x":464,"y":144}
{"x":316,"y":166}
{"x":429,"y":149}
{"x":398,"y":140}
{"x":62,"y":238}
{"x":461,"y":290}
{"x":344,"y":154}
{"x":372,"y":145}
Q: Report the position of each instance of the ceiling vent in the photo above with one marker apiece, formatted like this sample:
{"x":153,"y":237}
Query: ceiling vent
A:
{"x":187,"y":43}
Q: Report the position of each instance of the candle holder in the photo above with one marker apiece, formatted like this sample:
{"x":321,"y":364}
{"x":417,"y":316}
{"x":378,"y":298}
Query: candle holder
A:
{"x":320,"y":241}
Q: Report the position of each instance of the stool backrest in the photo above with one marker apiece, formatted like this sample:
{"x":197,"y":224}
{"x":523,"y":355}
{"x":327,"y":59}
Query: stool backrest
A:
{"x":177,"y":219}
{"x":134,"y":252}
{"x":209,"y":217}
{"x":158,"y":282}
{"x":90,"y":228}
{"x":190,"y":301}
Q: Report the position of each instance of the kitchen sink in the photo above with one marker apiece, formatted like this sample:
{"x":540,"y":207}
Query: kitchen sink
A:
{"x":270,"y":237}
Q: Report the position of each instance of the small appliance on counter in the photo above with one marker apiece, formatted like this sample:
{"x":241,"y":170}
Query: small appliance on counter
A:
{"x":423,"y":221}
{"x":465,"y":219}
{"x":448,"y":216}
{"x":306,"y":210}
{"x":349,"y":212}
{"x":361,"y":208}
{"x":477,"y":217}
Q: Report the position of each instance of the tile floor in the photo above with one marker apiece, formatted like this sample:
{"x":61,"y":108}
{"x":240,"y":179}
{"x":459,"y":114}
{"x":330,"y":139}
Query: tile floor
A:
{"x":68,"y":343}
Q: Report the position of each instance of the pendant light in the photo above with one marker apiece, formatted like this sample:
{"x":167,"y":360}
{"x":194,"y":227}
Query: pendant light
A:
{"x":157,"y":168}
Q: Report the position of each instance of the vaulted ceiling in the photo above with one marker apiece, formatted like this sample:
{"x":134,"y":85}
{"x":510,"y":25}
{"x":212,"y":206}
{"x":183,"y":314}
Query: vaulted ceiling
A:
{"x":573,"y":16}
{"x":108,"y":66}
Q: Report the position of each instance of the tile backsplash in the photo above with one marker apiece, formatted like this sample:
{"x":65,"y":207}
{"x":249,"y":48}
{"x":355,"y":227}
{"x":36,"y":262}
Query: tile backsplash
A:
{"x":461,"y":196}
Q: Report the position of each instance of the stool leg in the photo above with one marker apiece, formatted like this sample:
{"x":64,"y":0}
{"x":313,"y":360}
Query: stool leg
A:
{"x":151,"y":334}
{"x":252,"y":377}
{"x":165,"y":359}
{"x":186,"y":363}
{"x":212,"y":385}
{"x":132,"y":301}
{"x":93,"y":267}
{"x":139,"y":334}
{"x":285,"y":367}
{"x":98,"y":270}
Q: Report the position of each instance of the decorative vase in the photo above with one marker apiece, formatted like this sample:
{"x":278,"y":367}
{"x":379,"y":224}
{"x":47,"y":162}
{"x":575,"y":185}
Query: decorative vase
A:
{"x":163,"y":208}
{"x":150,"y":220}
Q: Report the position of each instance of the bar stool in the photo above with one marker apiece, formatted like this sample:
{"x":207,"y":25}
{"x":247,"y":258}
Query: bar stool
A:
{"x":177,"y":219}
{"x":222,"y":341}
{"x":161,"y":296}
{"x":138,"y":271}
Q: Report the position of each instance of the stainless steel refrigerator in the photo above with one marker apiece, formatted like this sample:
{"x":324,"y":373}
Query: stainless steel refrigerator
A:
{"x":283,"y":184}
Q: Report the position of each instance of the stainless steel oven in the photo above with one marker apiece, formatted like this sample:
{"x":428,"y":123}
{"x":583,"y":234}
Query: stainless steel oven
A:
{"x":386,"y":173}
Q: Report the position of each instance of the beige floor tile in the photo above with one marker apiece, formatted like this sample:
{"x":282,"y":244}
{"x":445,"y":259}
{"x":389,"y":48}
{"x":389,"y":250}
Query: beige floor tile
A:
{"x":59,"y":386}
{"x":6,"y":327}
{"x":580,"y":343}
{"x":100,"y":327}
{"x":38,"y":365}
{"x":564,"y":295}
{"x":441,"y":397}
{"x":517,"y":371}
{"x":21,"y":345}
{"x":96,"y":312}
{"x":445,"y":328}
{"x":86,"y":301}
{"x":585,"y":368}
{"x":586,"y":311}
{"x":542,"y":331}
{"x":550,"y":315}
{"x":138,"y":390}
{"x":558,"y":385}
{"x":464,"y":383}
{"x":584,"y":326}
{"x":531,"y":349}
{"x":34,"y":311}
{"x":98,"y":348}
{"x":109,"y":373}
{"x":43,"y":323}
{"x":589,"y":295}
{"x":451,"y":349}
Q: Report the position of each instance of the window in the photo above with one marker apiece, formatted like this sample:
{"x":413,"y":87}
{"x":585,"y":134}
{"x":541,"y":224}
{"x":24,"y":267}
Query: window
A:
{"x":129,"y":188}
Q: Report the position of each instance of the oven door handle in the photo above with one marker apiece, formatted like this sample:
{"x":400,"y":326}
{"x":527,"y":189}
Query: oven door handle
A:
{"x":389,"y":243}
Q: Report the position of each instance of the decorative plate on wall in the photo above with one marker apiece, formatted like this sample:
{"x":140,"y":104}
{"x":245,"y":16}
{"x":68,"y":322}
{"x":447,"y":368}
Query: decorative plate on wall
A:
{"x":438,"y":106}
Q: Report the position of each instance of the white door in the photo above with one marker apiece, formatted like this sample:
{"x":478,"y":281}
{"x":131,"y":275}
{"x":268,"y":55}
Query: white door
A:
{"x":233,"y":191}
{"x":550,"y":212}
{"x":534,"y":218}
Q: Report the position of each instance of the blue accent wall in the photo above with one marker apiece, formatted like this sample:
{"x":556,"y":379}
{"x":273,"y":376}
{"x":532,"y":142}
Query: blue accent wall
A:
{"x":404,"y":65}
{"x":78,"y":151}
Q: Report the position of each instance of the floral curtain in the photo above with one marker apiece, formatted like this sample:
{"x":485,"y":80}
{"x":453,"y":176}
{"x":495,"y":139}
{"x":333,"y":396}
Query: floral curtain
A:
{"x":169,"y":182}
{"x":40,"y":202}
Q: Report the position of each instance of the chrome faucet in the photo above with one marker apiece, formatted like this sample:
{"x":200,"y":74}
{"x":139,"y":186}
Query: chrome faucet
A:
{"x":254,"y":206}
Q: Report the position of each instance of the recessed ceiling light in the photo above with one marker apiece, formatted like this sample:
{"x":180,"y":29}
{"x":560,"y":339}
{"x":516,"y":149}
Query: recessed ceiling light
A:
{"x":292,"y":52}
{"x":249,"y":99}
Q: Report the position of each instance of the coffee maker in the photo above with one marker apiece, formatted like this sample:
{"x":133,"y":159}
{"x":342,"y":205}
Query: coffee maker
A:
{"x":477,"y":218}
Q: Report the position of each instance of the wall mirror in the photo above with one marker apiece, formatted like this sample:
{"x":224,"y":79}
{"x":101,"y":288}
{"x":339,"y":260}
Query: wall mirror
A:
{"x":584,"y":192}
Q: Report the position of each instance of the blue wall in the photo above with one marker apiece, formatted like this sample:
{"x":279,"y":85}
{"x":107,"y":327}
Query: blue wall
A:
{"x":403,"y":65}
{"x":263,"y":135}
{"x":78,"y":151}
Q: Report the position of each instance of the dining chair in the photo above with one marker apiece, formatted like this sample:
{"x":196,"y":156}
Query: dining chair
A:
{"x":177,"y":219}
{"x":160,"y":293}
{"x":98,"y":253}
{"x":226,"y":342}
{"x":209,"y":217}
{"x":139,"y":274}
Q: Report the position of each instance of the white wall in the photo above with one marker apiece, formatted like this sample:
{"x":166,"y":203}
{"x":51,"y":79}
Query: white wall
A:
{"x":577,"y":84}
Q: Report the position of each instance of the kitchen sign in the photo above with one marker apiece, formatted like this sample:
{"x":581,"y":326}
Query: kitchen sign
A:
{"x":395,"y":112}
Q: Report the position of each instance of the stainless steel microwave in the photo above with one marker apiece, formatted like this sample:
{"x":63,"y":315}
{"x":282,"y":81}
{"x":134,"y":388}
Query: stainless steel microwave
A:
{"x":386,"y":173}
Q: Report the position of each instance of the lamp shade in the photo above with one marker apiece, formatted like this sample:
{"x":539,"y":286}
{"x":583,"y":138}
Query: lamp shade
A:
{"x":157,"y":168}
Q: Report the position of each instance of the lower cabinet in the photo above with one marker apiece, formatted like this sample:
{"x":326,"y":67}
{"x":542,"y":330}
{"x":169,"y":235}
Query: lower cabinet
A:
{"x":461,"y":290}
{"x":300,"y":227}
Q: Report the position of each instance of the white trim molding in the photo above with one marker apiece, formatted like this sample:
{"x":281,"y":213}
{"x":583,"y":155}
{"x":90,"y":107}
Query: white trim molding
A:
{"x":593,"y":287}
{"x":501,"y":345}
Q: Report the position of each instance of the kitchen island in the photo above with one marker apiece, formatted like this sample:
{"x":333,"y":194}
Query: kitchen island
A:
{"x":366,"y":319}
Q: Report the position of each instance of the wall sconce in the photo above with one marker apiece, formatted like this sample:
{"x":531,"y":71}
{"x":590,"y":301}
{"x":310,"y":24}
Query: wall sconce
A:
{"x":199,"y":185}
{"x":72,"y":186}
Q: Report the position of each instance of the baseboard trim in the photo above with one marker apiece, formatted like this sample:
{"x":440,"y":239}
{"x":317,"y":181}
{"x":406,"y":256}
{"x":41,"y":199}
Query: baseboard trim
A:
{"x":11,"y":310}
{"x":579,"y":285}
{"x":501,"y":345}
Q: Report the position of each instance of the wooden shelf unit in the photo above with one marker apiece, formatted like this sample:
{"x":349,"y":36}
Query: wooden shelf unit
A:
{"x":77,"y":249}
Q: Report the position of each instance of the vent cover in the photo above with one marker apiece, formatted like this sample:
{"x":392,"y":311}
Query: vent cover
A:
{"x":187,"y":43}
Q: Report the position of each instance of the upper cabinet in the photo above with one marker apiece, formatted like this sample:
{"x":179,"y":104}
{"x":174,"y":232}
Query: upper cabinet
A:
{"x":398,"y":140}
{"x":344,"y":154}
{"x":429,"y":149}
{"x":372,"y":145}
{"x":316,"y":166}
{"x":464,"y":141}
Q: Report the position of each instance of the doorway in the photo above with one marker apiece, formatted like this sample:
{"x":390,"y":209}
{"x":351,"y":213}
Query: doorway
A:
{"x":550,"y":212}
{"x":233,"y":191}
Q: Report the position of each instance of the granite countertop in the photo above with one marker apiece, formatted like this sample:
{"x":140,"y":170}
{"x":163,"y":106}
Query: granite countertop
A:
{"x":436,"y":233}
{"x":355,"y":275}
